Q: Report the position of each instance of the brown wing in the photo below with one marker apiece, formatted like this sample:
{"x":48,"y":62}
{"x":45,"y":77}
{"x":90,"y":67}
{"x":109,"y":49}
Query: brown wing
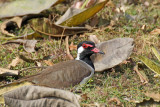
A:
{"x":62,"y":75}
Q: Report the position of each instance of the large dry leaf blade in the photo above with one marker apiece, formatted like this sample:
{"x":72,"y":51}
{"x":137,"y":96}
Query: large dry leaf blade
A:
{"x":7,"y":72}
{"x":116,"y":51}
{"x":74,"y":16}
{"x":36,"y":96}
{"x":10,"y":22}
{"x":155,"y":31}
{"x":148,"y":103}
{"x":10,"y":8}
{"x":156,"y":53}
{"x":29,"y":45}
{"x":155,"y":67}
{"x":155,"y":96}
{"x":11,"y":86}
{"x":46,"y":27}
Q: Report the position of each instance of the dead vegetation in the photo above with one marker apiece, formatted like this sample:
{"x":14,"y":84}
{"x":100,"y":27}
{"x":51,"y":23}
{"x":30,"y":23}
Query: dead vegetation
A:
{"x":121,"y":85}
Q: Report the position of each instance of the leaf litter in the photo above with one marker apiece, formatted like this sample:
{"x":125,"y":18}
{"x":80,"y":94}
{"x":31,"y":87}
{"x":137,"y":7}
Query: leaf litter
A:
{"x":115,"y":84}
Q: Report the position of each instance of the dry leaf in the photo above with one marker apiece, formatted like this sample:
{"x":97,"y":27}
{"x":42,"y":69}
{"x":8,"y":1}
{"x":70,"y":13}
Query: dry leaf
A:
{"x":37,"y":96}
{"x":147,"y":103}
{"x":10,"y":8}
{"x":29,"y":45}
{"x":115,"y":100}
{"x":47,"y":27}
{"x":14,"y":62}
{"x":143,"y":27}
{"x":155,"y":31}
{"x":10,"y":87}
{"x":10,"y":22}
{"x":50,"y":63}
{"x":38,"y":64}
{"x":116,"y":51}
{"x":141,"y":75}
{"x":7,"y":72}
{"x":72,"y":46}
{"x":155,"y":96}
{"x":94,"y":39}
{"x":74,"y":17}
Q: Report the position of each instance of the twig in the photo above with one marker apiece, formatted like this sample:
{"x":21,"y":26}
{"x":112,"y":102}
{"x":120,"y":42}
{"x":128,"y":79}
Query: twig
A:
{"x":67,"y":48}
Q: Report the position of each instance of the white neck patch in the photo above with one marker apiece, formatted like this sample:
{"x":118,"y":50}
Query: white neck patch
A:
{"x":79,"y":51}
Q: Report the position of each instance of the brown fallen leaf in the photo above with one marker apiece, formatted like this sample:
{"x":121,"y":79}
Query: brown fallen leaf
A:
{"x":141,"y":75}
{"x":72,"y":46}
{"x":10,"y":22}
{"x":115,"y":100}
{"x":116,"y":50}
{"x":48,"y":62}
{"x":47,"y":27}
{"x":94,"y":39}
{"x":30,"y":95}
{"x":155,"y":31}
{"x":11,"y":8}
{"x":7,"y":72}
{"x":14,"y":62}
{"x":84,"y":97}
{"x":28,"y":45}
{"x":143,"y":27}
{"x":74,"y":17}
{"x":38,"y":64}
{"x":147,"y":103}
{"x":155,"y":96}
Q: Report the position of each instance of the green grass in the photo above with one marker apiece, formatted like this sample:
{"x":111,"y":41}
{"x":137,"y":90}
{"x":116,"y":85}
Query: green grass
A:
{"x":124,"y":83}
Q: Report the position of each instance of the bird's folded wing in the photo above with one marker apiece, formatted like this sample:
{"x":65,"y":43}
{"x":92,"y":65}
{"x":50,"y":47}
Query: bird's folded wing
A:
{"x":62,"y":75}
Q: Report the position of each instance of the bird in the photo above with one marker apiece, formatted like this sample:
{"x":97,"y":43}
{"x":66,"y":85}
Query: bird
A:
{"x":68,"y":73}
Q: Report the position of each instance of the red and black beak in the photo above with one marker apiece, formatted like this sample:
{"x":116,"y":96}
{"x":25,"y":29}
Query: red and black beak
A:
{"x":95,"y":50}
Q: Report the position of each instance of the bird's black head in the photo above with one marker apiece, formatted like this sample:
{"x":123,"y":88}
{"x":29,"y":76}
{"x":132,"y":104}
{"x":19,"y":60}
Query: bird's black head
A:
{"x":85,"y":49}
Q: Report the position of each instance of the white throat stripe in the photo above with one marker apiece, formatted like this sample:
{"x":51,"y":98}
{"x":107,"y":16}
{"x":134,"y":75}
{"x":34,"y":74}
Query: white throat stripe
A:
{"x":79,"y":51}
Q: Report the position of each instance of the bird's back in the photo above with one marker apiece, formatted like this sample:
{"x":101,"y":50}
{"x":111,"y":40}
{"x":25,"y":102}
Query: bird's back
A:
{"x":62,"y":75}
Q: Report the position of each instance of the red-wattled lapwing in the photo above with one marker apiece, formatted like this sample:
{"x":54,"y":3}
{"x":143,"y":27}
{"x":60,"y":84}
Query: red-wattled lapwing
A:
{"x":68,"y":73}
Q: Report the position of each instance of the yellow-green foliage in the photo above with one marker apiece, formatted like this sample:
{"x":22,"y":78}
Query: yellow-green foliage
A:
{"x":155,"y":67}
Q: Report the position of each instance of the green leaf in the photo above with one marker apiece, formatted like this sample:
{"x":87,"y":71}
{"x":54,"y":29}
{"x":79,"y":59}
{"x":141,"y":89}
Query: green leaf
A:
{"x":74,"y":17}
{"x":156,"y":53}
{"x":155,"y":67}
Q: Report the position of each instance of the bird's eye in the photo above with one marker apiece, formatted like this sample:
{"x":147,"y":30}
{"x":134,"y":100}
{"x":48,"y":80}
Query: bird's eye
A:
{"x":84,"y":45}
